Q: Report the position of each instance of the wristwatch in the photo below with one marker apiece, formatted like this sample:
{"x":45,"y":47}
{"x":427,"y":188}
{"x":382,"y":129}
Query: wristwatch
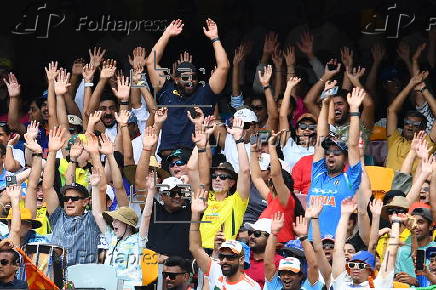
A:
{"x":240,"y":141}
{"x":301,"y":239}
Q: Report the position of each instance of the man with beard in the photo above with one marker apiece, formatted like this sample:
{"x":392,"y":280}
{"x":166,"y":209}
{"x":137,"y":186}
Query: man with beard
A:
{"x":184,"y":89}
{"x":227,"y":271}
{"x":399,"y":144}
{"x":329,"y":182}
{"x":109,"y":105}
{"x":176,"y":274}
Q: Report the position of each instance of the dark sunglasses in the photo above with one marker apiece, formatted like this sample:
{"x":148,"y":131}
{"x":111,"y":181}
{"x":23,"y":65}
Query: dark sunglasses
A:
{"x":334,"y":152}
{"x":221,"y":176}
{"x":173,"y":193}
{"x":285,"y":272}
{"x":171,"y":275}
{"x":304,"y":126}
{"x":257,"y":108}
{"x":396,"y":210}
{"x":178,"y":163}
{"x":247,"y":125}
{"x":357,"y":266}
{"x":5,"y":262}
{"x":412,"y":123}
{"x":230,"y":257}
{"x":257,"y":233}
{"x":72,"y":198}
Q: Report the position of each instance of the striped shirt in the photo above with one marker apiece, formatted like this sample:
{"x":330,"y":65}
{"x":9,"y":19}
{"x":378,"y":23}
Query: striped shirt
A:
{"x":78,"y":235}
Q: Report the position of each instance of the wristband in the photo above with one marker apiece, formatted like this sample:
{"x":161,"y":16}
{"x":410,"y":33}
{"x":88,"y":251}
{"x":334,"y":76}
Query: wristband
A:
{"x":145,"y":149}
{"x":201,"y":150}
{"x":303,"y":238}
{"x":215,"y":39}
{"x":89,"y":85}
{"x":354,"y":114}
{"x":126,"y":103}
{"x":37,"y":154}
{"x":266,"y":87}
{"x":396,"y":221}
{"x":239,"y":141}
{"x":313,"y":218}
{"x":10,"y":146}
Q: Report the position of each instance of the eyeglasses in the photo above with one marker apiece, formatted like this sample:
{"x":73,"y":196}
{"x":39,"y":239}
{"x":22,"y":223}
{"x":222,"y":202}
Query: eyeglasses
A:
{"x":304,"y":126}
{"x":178,"y":163}
{"x":230,"y":257}
{"x":412,"y":123}
{"x":173,"y":193}
{"x":171,"y":275}
{"x":5,"y":262}
{"x":357,"y":266}
{"x":247,"y":125}
{"x":72,"y":198}
{"x":221,"y":176}
{"x":257,"y":233}
{"x":334,"y":152}
{"x":257,"y":108}
{"x":396,"y":210}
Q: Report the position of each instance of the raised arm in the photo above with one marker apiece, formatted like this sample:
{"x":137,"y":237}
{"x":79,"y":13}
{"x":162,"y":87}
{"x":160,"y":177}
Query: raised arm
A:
{"x":378,"y":52}
{"x":238,"y":60}
{"x":283,"y":192}
{"x":278,"y":221}
{"x":218,"y":79}
{"x":10,"y":163}
{"x":75,"y":151}
{"x":149,"y":140}
{"x":347,"y":208}
{"x":354,"y":100}
{"x":301,"y":229}
{"x":14,"y":193}
{"x":284,"y":108}
{"x":347,"y":59}
{"x":426,"y":170}
{"x":390,"y":258}
{"x":407,"y":165}
{"x":52,"y":72}
{"x":376,"y":208}
{"x":57,"y":139}
{"x":322,"y":129}
{"x":122,"y":118}
{"x":364,"y":195}
{"x":271,"y":105}
{"x":61,"y":85}
{"x":14,"y":91}
{"x":107,"y":71}
{"x":204,"y":162}
{"x":98,"y":205}
{"x":255,"y":173}
{"x":88,"y":77}
{"x":277,"y":58}
{"x":148,"y":208}
{"x":403,"y":51}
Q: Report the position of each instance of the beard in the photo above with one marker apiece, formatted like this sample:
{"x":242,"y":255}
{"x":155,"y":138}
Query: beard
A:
{"x":229,"y":271}
{"x":186,"y":90}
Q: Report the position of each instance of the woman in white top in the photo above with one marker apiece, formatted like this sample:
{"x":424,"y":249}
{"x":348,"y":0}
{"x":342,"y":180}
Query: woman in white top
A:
{"x":305,"y":132}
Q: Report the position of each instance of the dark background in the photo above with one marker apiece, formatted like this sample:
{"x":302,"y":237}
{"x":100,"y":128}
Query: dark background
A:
{"x":334,"y":23}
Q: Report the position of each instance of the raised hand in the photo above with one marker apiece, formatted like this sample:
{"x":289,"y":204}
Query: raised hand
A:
{"x":14,"y":191}
{"x":329,"y":84}
{"x":331,"y":73}
{"x":149,"y":138}
{"x":422,"y":149}
{"x":174,"y":29}
{"x":96,"y":56}
{"x":348,"y":206}
{"x":88,"y":72}
{"x":427,"y":165}
{"x":314,"y":209}
{"x":200,"y":137}
{"x":240,"y":54}
{"x":14,"y":140}
{"x":76,"y":149}
{"x":306,"y":44}
{"x":277,"y":57}
{"x":161,"y":115}
{"x":138,"y":59}
{"x":270,"y":43}
{"x":95,"y":117}
{"x":95,"y":177}
{"x":209,"y":124}
{"x":289,"y":54}
{"x":300,"y":226}
{"x":123,"y":89}
{"x":278,"y":221}
{"x":212,"y":29}
{"x":417,"y":139}
{"x":77,"y":68}
{"x":62,"y":83}
{"x":199,"y":119}
{"x":150,"y":182}
{"x":356,"y":97}
{"x":14,"y":88}
{"x":106,"y":145}
{"x":56,"y":139}
{"x":273,"y":139}
{"x":122,"y":117}
{"x":31,"y":144}
{"x":266,"y":75}
{"x":185,"y":57}
{"x":52,"y":71}
{"x":376,"y":206}
{"x":418,"y":78}
{"x":91,"y":143}
{"x":199,"y":201}
{"x":355,"y":74}
{"x":378,"y":52}
{"x":237,"y":128}
{"x":347,"y":57}
{"x":293,"y":81}
{"x":108,"y":69}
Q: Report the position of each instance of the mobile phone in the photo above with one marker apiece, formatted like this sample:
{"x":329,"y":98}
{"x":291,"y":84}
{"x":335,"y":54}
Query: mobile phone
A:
{"x":253,"y":139}
{"x":264,"y":136}
{"x":420,"y":260}
{"x":11,"y":180}
{"x":329,"y":92}
{"x":331,"y":66}
{"x":193,"y":113}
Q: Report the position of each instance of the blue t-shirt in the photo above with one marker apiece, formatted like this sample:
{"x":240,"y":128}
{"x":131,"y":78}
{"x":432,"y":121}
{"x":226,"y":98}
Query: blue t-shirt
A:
{"x":276,"y":284}
{"x":177,"y":129}
{"x":332,"y":191}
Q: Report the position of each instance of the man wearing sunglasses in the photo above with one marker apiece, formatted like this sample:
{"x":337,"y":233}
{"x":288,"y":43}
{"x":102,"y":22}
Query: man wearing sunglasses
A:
{"x":9,"y":265}
{"x":177,"y":161}
{"x":176,"y":274}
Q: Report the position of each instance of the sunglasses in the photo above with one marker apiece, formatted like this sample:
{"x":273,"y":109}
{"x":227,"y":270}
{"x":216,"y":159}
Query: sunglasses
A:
{"x":334,"y":152}
{"x":304,"y":126}
{"x":178,"y":163}
{"x":230,"y":257}
{"x":171,"y":275}
{"x":257,"y":233}
{"x":412,"y":123}
{"x":173,"y":193}
{"x":248,"y":125}
{"x":396,"y":210}
{"x":257,"y":108}
{"x":72,"y":198}
{"x":285,"y":272}
{"x":221,"y":176}
{"x":5,"y":262}
{"x":357,"y":266}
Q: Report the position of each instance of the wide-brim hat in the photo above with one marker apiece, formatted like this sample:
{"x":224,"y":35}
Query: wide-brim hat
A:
{"x":26,"y":215}
{"x":124,"y":214}
{"x":226,"y":166}
{"x":397,"y":202}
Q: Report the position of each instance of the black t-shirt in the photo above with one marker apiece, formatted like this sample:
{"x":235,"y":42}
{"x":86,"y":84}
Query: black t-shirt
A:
{"x":168,"y":236}
{"x":16,"y":284}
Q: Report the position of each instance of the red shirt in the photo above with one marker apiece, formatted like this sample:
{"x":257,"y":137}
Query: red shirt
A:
{"x":257,"y":269}
{"x":287,"y":232}
{"x":301,"y":174}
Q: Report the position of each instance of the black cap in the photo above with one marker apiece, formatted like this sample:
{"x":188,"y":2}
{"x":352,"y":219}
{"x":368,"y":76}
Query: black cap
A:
{"x":334,"y":142}
{"x":75,"y":186}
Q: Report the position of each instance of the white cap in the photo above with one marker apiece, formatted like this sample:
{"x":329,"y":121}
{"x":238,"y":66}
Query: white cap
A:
{"x":171,"y":182}
{"x":235,"y":246}
{"x":74,"y":120}
{"x":290,"y":264}
{"x":264,"y":161}
{"x":260,"y":225}
{"x":246,"y":115}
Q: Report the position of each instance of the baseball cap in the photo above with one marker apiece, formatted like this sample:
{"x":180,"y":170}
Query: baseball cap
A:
{"x":294,"y":248}
{"x":260,"y":225}
{"x":74,"y":120}
{"x":425,"y":212}
{"x":365,"y":257}
{"x":233,"y":245}
{"x":75,"y":186}
{"x":178,"y":153}
{"x":290,"y":264}
{"x":170,"y":183}
{"x":335,"y":142}
{"x":247,"y":115}
{"x":264,"y":161}
{"x":132,"y":118}
{"x":328,"y":239}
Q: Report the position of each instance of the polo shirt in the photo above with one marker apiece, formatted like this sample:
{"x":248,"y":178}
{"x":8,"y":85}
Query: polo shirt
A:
{"x":177,"y":129}
{"x":332,"y":191}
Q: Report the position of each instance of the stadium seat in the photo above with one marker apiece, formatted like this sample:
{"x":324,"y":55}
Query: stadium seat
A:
{"x":92,"y":276}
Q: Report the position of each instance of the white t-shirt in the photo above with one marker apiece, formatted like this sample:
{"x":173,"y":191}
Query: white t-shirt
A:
{"x":112,"y":132}
{"x":137,"y":148}
{"x":218,"y":281}
{"x":344,"y":281}
{"x":19,"y":156}
{"x":292,"y":152}
{"x":231,"y":152}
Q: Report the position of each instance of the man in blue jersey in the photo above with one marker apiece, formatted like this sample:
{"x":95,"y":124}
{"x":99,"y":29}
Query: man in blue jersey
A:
{"x":329,"y":181}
